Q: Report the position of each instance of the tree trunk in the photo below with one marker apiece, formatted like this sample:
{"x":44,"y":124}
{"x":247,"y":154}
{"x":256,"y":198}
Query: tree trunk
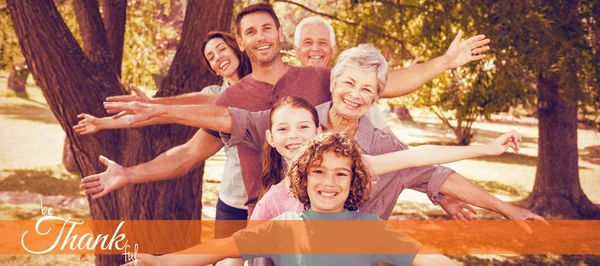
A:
{"x":402,"y":113}
{"x":93,"y":33}
{"x":73,"y":83}
{"x":115,"y":13}
{"x":68,"y":158}
{"x":557,"y":191}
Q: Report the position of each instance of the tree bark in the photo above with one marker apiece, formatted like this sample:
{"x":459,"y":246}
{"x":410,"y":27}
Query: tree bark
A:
{"x":557,"y":191}
{"x":115,"y":13}
{"x":93,"y":33}
{"x":73,"y":83}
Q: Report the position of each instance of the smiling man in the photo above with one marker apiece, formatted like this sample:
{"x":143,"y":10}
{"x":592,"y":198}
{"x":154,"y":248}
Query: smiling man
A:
{"x":314,"y":42}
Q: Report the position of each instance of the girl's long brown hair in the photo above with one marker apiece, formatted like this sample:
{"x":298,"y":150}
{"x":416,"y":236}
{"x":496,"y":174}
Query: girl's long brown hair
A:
{"x":273,"y":163}
{"x":244,"y":68}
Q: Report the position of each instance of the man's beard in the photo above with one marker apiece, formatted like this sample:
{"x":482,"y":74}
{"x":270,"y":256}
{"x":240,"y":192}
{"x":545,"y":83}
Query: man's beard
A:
{"x":264,"y":62}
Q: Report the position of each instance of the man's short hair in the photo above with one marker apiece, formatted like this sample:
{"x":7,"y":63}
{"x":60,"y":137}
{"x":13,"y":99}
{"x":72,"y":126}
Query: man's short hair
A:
{"x":312,"y":21}
{"x":260,"y":7}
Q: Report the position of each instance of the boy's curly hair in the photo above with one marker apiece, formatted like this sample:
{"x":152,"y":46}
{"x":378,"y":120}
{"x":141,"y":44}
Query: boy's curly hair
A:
{"x":311,"y":155}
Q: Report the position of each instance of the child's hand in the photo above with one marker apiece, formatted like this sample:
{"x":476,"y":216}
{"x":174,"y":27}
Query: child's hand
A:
{"x":88,"y":124}
{"x":510,"y":139}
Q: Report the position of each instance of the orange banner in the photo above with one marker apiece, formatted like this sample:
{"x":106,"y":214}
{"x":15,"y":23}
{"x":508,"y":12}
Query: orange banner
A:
{"x":53,"y":235}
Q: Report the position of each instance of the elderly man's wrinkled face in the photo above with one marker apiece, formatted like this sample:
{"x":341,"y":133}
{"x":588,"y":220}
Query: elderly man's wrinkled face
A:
{"x":353,"y":92}
{"x":315,"y":47}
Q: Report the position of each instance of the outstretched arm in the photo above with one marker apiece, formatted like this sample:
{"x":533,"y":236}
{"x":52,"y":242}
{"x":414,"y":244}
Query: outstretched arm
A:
{"x":168,"y":165}
{"x":459,"y":187}
{"x":406,"y":80}
{"x":212,"y":117}
{"x":90,"y":124}
{"x":431,"y":154}
{"x":188,"y":98}
{"x":202,"y":254}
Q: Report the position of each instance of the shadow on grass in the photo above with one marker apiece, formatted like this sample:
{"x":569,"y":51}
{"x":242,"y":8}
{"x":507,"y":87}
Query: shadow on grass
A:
{"x":30,"y":110}
{"x":497,"y":188}
{"x":510,"y":158}
{"x":41,"y":181}
{"x":481,"y":135}
{"x":527,"y":259}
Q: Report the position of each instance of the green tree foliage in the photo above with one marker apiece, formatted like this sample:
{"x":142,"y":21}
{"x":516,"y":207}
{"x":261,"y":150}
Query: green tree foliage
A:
{"x":148,"y":49}
{"x":529,"y":38}
{"x":10,"y":52}
{"x":149,"y":41}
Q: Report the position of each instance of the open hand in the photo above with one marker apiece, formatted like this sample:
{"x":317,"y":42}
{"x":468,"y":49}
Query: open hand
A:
{"x":101,"y":184}
{"x":458,"y":210}
{"x":462,"y":52}
{"x":88,"y":124}
{"x":137,"y":96}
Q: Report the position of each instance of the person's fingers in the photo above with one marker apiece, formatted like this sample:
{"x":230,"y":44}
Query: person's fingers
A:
{"x":512,"y":146}
{"x":458,"y":36}
{"x":139,"y":93}
{"x":460,"y":216}
{"x":470,"y":208}
{"x":112,"y":110}
{"x":82,"y":115}
{"x":466,"y":214}
{"x":91,"y":178}
{"x":120,"y":98}
{"x":101,"y":194}
{"x":90,"y":184}
{"x":479,"y":50}
{"x":105,"y":160}
{"x":536,"y":217}
{"x":79,"y":128}
{"x":119,"y":115}
{"x":524,"y":226}
{"x":94,"y":190}
{"x":477,"y":40}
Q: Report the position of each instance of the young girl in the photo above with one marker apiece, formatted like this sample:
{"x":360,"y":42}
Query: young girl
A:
{"x":332,"y":182}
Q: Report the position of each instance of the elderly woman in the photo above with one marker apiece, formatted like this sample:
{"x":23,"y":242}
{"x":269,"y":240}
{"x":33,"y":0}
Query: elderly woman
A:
{"x":356,"y":81}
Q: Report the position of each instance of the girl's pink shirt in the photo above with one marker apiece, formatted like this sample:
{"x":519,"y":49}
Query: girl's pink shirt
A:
{"x":276,"y":201}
